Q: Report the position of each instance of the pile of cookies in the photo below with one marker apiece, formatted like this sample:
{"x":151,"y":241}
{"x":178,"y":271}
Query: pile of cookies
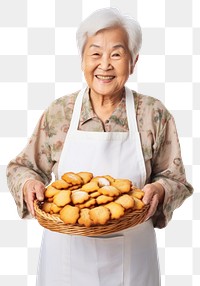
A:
{"x":80,"y":198}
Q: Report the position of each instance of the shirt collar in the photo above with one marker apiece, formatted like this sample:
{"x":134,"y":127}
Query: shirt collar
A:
{"x":87,"y":112}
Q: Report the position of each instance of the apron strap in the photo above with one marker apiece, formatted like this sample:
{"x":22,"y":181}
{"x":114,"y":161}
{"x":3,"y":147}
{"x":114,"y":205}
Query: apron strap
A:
{"x":77,"y":110}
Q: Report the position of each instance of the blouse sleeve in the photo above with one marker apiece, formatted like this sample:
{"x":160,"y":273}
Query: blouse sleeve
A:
{"x":168,"y":170}
{"x":34,"y":162}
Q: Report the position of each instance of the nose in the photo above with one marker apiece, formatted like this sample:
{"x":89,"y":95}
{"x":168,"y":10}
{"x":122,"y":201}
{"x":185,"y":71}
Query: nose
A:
{"x":105,"y":63}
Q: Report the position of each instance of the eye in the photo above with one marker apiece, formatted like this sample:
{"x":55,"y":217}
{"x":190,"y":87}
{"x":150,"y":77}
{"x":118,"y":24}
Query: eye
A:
{"x":115,"y":55}
{"x":95,"y":55}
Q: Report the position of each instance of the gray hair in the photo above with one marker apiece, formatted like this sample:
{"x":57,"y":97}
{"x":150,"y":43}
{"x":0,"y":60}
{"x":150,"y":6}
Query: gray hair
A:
{"x":108,"y":18}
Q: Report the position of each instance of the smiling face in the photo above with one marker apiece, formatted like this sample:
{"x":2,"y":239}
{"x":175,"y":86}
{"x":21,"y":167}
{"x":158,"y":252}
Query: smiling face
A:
{"x":107,"y":62}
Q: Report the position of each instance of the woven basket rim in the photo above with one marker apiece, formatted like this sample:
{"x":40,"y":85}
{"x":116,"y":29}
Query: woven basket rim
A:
{"x":54,"y":223}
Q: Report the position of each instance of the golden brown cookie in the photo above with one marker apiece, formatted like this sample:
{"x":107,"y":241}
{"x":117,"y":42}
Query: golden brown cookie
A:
{"x":85,"y":218}
{"x":137,"y":193}
{"x":55,"y":209}
{"x":50,"y":192}
{"x":96,"y":179}
{"x":104,"y":199}
{"x":72,"y":178}
{"x":138,"y":204}
{"x":91,"y":202}
{"x":90,"y":187}
{"x":95,"y":194}
{"x":62,"y":198}
{"x":126,"y":201}
{"x":69,"y":214}
{"x":86,"y":176}
{"x":60,"y":184}
{"x":109,"y":178}
{"x":109,"y":191}
{"x":116,"y":210}
{"x":79,"y":197}
{"x":75,"y":187}
{"x":123,"y":185}
{"x":100,"y":215}
{"x":46,"y":207}
{"x":103,"y":182}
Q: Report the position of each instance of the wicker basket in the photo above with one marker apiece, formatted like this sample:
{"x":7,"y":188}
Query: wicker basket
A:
{"x":54,"y":223}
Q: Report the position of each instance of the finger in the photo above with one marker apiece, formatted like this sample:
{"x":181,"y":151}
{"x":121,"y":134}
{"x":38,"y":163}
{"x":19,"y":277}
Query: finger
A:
{"x":40,"y":192}
{"x":147,"y":198}
{"x":30,"y":202}
{"x":33,"y":189}
{"x":153,"y":206}
{"x":148,"y":194}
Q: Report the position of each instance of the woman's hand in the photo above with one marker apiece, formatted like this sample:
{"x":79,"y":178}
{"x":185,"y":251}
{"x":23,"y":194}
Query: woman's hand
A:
{"x":33,"y":189}
{"x":153,"y":194}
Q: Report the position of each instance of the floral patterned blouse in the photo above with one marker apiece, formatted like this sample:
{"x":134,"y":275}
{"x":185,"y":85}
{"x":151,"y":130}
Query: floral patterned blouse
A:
{"x":159,"y":140}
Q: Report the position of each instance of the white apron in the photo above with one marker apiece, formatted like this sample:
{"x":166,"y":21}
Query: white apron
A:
{"x":125,"y":258}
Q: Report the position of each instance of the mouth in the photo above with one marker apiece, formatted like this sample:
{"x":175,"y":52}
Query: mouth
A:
{"x":104,"y":77}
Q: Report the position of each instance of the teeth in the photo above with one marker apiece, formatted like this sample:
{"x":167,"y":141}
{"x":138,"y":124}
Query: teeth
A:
{"x":105,"y":77}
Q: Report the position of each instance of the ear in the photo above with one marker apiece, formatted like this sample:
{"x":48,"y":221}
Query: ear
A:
{"x":133,"y":64}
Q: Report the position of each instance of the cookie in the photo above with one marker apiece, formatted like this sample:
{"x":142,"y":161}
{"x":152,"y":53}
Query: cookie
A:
{"x":74,"y":187}
{"x":62,"y":198}
{"x":46,"y":207}
{"x":90,"y":187}
{"x":99,"y":215}
{"x":55,"y":209}
{"x":138,"y":204}
{"x":116,"y":210}
{"x":125,"y":201}
{"x":60,"y":184}
{"x":79,"y":197}
{"x":91,"y":202}
{"x":103,"y":199}
{"x":69,"y":214}
{"x":123,"y":185}
{"x":50,"y":192}
{"x":72,"y":178}
{"x":85,"y":218}
{"x":96,"y":179}
{"x":86,"y":176}
{"x":137,"y":193}
{"x":109,"y":178}
{"x":103,"y":182}
{"x":109,"y":191}
{"x":95,"y":194}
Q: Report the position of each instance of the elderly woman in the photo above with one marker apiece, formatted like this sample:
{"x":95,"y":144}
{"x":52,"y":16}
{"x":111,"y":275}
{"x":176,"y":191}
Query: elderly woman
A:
{"x":105,"y":128}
